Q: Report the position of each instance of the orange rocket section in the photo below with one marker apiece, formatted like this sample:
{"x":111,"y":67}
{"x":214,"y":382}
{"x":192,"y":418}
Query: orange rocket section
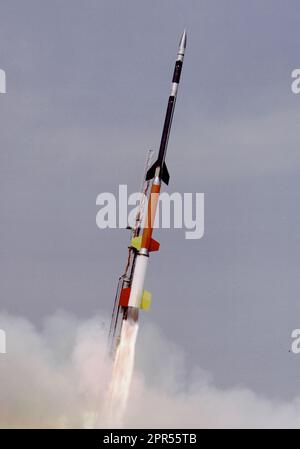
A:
{"x":151,"y":212}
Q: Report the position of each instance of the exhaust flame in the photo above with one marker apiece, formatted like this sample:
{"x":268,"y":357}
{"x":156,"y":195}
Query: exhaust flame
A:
{"x":119,"y":387}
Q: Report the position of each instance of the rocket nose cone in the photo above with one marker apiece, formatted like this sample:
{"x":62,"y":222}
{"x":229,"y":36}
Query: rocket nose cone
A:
{"x":182,"y":43}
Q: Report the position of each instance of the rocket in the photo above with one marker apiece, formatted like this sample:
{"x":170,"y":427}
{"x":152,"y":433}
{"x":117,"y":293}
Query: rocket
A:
{"x":131,"y":296}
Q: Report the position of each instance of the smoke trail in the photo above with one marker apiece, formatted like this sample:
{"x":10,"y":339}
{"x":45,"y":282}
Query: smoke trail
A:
{"x":118,"y":392}
{"x":57,"y":377}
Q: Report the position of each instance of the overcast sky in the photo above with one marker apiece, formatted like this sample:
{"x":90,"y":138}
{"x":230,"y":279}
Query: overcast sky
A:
{"x":87,"y":86}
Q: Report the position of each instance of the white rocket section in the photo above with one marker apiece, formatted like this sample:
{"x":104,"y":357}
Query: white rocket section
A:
{"x":138,"y":280}
{"x":174,"y":89}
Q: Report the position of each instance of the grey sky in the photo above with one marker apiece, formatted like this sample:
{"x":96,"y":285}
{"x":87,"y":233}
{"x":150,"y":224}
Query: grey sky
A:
{"x":87,"y":85}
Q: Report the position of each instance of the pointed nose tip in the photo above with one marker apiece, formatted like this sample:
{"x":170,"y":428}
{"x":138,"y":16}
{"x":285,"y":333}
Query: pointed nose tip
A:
{"x":182,"y":43}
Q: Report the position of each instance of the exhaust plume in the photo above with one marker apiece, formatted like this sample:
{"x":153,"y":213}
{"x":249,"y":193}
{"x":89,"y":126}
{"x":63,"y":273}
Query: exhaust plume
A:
{"x":58,"y":377}
{"x":116,"y":401}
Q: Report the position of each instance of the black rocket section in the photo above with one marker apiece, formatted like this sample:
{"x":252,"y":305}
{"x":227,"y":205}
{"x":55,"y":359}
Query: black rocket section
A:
{"x":159,"y":167}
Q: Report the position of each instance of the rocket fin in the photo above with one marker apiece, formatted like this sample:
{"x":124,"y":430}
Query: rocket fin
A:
{"x":165,"y":173}
{"x":154,"y":245}
{"x":146,"y":300}
{"x":136,"y":242}
{"x":151,"y":172}
{"x":124,"y":297}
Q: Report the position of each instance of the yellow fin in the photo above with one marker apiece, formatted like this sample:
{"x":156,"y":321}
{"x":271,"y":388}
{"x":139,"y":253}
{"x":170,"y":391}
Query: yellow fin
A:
{"x":136,"y":242}
{"x":146,"y":300}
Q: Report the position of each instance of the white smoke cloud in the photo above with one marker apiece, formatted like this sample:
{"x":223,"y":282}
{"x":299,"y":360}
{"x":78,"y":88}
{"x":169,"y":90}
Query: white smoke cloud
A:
{"x":57,"y":376}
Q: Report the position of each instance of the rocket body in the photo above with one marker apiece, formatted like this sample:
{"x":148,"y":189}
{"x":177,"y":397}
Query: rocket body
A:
{"x":131,"y":295}
{"x":159,"y":172}
{"x":138,"y":280}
